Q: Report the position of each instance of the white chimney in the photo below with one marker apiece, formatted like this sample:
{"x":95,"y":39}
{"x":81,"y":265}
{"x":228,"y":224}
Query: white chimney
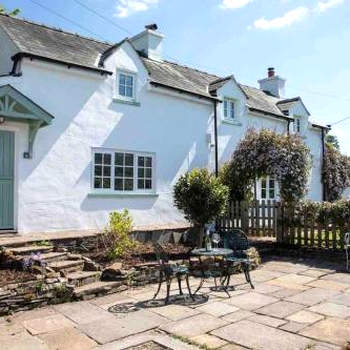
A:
{"x":149,"y":42}
{"x":274,"y":84}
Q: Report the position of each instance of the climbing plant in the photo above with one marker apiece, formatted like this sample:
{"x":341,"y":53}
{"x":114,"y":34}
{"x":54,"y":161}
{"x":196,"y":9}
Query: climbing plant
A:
{"x":263,"y":153}
{"x":336,"y":169}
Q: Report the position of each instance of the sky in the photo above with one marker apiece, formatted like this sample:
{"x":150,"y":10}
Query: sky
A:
{"x":307,"y":41}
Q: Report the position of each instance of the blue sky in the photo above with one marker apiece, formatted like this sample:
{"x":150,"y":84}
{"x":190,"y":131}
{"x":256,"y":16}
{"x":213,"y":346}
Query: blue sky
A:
{"x":307,"y":41}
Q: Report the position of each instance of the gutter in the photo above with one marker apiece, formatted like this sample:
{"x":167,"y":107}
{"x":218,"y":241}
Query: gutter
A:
{"x":216,"y":138}
{"x":18,"y":56}
{"x":284,"y":117}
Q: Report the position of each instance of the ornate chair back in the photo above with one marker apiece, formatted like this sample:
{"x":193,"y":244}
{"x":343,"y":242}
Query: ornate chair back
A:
{"x":347,"y":239}
{"x":235,"y":239}
{"x":161,"y":254}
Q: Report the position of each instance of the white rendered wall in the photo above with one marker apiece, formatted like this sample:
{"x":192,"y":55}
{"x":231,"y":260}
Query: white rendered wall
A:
{"x":7,"y":50}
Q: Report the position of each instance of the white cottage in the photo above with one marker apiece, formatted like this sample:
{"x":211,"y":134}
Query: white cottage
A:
{"x":87,"y":127}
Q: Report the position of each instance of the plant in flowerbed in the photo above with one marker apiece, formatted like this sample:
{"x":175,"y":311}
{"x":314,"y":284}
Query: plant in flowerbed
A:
{"x":122,"y":257}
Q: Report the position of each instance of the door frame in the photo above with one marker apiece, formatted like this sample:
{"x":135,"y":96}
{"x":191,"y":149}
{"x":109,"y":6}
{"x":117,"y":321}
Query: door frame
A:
{"x":15,"y":129}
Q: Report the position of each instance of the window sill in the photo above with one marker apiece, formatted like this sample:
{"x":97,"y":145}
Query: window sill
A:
{"x":121,"y":195}
{"x":127,"y":102}
{"x":231,"y":122}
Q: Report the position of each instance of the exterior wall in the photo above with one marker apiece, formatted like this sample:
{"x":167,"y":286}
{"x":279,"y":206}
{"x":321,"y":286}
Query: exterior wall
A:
{"x":7,"y":50}
{"x":53,"y":189}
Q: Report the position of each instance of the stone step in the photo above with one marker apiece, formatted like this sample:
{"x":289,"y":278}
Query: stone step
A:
{"x":82,"y":278}
{"x":50,"y":257}
{"x":67,"y":266}
{"x":97,"y":289}
{"x":27,"y":250}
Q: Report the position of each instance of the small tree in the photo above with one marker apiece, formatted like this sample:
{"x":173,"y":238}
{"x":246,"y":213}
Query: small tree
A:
{"x":201,"y":197}
{"x":14,"y":12}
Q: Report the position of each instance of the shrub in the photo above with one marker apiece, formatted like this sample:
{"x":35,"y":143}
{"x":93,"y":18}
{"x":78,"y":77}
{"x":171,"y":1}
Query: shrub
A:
{"x":336,"y":170}
{"x":263,"y":153}
{"x":201,"y":197}
{"x":116,"y":237}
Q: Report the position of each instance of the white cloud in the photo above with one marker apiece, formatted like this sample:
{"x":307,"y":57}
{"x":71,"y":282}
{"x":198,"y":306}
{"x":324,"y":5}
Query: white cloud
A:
{"x":323,"y":6}
{"x":126,"y":8}
{"x":234,"y":4}
{"x":287,"y":19}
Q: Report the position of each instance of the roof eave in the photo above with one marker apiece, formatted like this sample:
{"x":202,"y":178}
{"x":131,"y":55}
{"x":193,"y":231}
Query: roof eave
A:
{"x":20,"y":55}
{"x":284,"y":117}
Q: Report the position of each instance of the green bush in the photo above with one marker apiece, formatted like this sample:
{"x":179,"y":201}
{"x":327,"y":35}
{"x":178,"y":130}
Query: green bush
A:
{"x":201,"y":197}
{"x":117,"y":234}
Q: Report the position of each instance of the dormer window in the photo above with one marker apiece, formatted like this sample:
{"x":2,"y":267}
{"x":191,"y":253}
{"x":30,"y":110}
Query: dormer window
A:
{"x":126,"y":85}
{"x":229,"y":109}
{"x":297,"y":125}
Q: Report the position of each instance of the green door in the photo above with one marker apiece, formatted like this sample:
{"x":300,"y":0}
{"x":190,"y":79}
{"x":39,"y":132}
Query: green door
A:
{"x":6,"y":179}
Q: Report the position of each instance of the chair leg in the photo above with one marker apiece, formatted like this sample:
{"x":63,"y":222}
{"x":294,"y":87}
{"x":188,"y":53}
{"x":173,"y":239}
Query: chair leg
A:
{"x":168,"y":284}
{"x":347,"y":259}
{"x":189,"y":288}
{"x":159,"y":285}
{"x":247,"y":276}
{"x":179,"y":283}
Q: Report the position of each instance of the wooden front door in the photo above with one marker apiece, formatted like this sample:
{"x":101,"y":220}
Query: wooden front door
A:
{"x":7,"y":147}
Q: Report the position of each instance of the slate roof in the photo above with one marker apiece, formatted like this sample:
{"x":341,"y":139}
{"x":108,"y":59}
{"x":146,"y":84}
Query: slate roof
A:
{"x":53,"y":43}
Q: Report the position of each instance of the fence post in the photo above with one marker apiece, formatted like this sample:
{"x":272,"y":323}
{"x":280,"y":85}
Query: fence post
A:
{"x":280,"y":223}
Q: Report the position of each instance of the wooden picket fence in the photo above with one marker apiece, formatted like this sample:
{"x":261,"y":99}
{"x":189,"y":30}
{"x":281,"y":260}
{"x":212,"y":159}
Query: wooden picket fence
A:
{"x":271,"y":219}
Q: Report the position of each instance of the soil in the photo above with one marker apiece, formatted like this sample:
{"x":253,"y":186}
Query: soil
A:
{"x":142,"y":253}
{"x":14,"y":276}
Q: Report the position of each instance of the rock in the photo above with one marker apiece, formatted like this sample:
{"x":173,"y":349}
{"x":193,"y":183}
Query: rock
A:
{"x":113,"y":272}
{"x":90,"y":265}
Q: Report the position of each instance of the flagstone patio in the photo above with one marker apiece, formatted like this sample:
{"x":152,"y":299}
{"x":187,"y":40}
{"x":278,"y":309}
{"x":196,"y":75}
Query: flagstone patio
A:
{"x":295,"y":305}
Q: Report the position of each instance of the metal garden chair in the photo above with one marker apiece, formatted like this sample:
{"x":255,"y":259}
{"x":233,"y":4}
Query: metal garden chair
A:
{"x":237,"y":240}
{"x":168,"y":271}
{"x":347,"y":248}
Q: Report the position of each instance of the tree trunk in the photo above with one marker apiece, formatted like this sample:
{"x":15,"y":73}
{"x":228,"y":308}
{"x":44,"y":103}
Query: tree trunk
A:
{"x":201,"y":233}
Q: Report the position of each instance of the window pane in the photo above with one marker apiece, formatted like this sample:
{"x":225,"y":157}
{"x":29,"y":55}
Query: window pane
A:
{"x":141,"y":172}
{"x":129,"y":159}
{"x":98,"y":170}
{"x":272,"y":193}
{"x":263,"y":183}
{"x":148,"y":162}
{"x":263,"y":193}
{"x":148,"y":184}
{"x":122,"y":79}
{"x":128,"y":91}
{"x":272,"y":183}
{"x":98,"y":182}
{"x":98,"y":158}
{"x":118,"y":184}
{"x":107,"y":158}
{"x":119,"y":158}
{"x":225,"y":108}
{"x":129,"y":185}
{"x":118,"y":171}
{"x":129,"y":80}
{"x":232,"y":110}
{"x":148,"y":172}
{"x":107,"y":171}
{"x":140,"y":184}
{"x":106,"y":183}
{"x":129,"y":172}
{"x":121,"y":90}
{"x":141,"y":161}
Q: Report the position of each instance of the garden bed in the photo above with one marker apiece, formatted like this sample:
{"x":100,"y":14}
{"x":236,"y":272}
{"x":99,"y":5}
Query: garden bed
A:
{"x":8,"y":276}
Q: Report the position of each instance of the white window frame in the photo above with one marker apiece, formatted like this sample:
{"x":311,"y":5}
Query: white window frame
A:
{"x":267,"y":188}
{"x":297,"y":125}
{"x":126,"y":73}
{"x":231,"y":108}
{"x":135,"y":178}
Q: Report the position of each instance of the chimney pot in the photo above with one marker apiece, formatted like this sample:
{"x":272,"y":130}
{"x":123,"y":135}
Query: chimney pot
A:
{"x":271,"y":72}
{"x":152,"y":26}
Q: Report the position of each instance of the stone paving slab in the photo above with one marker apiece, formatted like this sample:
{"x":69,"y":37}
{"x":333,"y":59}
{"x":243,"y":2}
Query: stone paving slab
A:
{"x":258,"y":336}
{"x":265,"y":288}
{"x":83,"y":312}
{"x":209,"y":341}
{"x":343,"y":299}
{"x":233,"y":347}
{"x":280,"y":309}
{"x":217,"y":308}
{"x":194,"y":326}
{"x":332,"y":330}
{"x":116,"y":328}
{"x":285,"y":293}
{"x":238,"y":316}
{"x":175,"y":312}
{"x":328,"y":284}
{"x":267,"y":320}
{"x":47,"y":324}
{"x":312,"y":296}
{"x":263,"y":275}
{"x":32,"y":314}
{"x":314,"y":273}
{"x":251,"y":301}
{"x":305,"y":316}
{"x":22,"y":342}
{"x":293,"y":327}
{"x":333,"y":310}
{"x":338,"y":277}
{"x":67,"y":339}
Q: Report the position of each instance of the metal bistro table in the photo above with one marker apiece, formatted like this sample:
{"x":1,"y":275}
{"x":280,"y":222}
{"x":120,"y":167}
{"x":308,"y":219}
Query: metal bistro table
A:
{"x":218,"y":268}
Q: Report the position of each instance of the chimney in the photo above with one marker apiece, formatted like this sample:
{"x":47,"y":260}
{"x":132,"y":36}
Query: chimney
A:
{"x":149,"y":42}
{"x":273,"y":84}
